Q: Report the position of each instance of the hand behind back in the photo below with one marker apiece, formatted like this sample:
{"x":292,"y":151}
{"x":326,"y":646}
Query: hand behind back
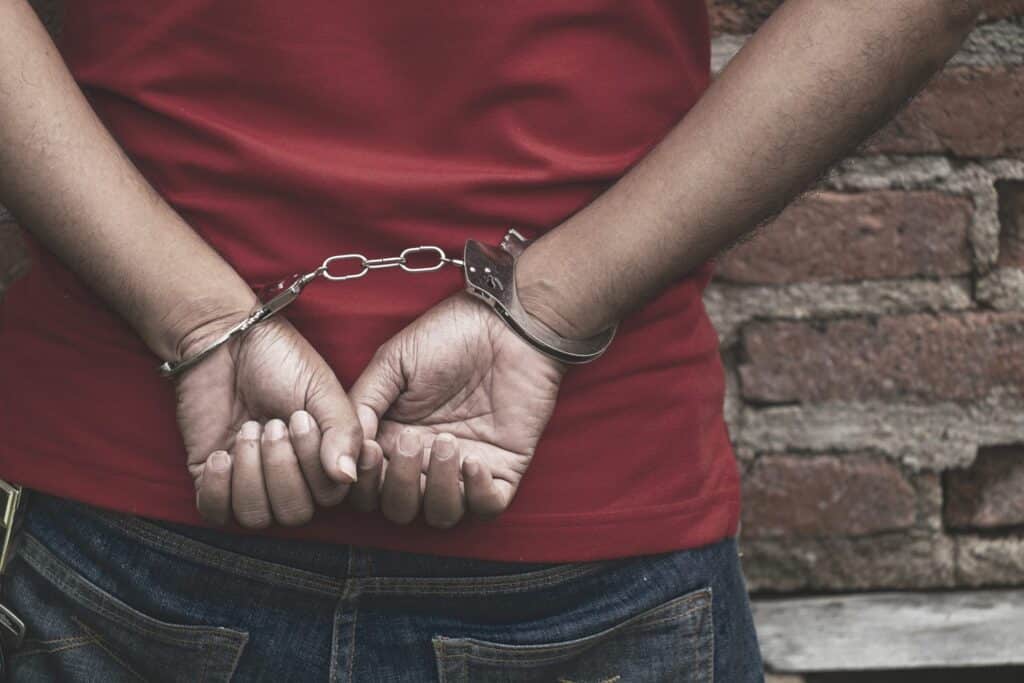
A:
{"x":272,"y":472}
{"x":458,"y":403}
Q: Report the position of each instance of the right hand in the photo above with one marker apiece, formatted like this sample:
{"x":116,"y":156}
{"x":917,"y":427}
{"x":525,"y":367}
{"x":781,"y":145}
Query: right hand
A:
{"x":247,"y":462}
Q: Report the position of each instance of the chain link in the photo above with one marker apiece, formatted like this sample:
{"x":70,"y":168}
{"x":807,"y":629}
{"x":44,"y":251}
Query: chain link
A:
{"x":365,"y":265}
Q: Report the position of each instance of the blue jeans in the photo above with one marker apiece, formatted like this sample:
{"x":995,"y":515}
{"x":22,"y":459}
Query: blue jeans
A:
{"x":110,"y":597}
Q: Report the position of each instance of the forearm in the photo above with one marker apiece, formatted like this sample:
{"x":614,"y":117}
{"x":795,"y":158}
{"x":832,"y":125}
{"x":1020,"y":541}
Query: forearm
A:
{"x":67,"y":182}
{"x":813,"y":83}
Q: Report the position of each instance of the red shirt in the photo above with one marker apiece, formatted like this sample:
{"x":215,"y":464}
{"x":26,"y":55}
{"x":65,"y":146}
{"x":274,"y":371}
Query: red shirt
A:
{"x":285,"y":132}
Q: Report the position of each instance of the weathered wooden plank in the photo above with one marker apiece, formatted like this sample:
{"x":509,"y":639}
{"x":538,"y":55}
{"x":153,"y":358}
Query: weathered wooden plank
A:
{"x":892,"y":630}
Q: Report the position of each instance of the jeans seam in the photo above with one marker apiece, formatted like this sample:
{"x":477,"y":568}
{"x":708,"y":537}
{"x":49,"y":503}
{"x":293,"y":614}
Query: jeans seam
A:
{"x":349,"y":585}
{"x":40,"y":559}
{"x":103,"y":646}
{"x":544,"y":578}
{"x":68,"y":644}
{"x":238,"y":657}
{"x":229,"y":562}
{"x":696,"y":601}
{"x":352,"y":643}
{"x":440,"y":659}
{"x":348,"y":592}
{"x":237,"y":564}
{"x":711,"y":636}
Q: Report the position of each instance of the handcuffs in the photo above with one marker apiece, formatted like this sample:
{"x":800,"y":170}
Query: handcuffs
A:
{"x":489,"y":274}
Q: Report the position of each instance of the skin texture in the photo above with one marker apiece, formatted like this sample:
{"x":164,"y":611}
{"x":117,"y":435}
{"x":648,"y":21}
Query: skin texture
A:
{"x":812,"y":84}
{"x":458,"y":374}
{"x":272,"y":473}
{"x":66,"y":181}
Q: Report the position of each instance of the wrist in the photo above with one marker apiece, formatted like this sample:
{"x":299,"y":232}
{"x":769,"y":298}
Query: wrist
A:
{"x":192,"y":326}
{"x":543,"y":297}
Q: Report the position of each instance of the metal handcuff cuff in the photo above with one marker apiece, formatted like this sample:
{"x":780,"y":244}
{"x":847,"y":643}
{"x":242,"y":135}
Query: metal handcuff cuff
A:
{"x":490,"y":276}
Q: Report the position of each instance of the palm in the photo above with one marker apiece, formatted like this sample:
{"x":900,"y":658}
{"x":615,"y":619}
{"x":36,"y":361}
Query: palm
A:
{"x":463,"y":372}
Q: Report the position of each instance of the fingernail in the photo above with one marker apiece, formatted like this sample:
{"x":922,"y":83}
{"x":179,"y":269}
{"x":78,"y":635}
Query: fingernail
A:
{"x":274,"y":430}
{"x":367,"y":418}
{"x":443,"y":447}
{"x":408,"y":443}
{"x":302,"y":423}
{"x":472,"y":466}
{"x":220,"y":461}
{"x":250,"y":430}
{"x":347,"y":467}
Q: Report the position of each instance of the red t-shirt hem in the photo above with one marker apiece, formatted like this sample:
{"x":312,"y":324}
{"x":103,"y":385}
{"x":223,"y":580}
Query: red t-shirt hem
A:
{"x":562,"y":537}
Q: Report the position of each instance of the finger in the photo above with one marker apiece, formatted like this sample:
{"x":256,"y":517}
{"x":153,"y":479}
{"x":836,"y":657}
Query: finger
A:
{"x":367,"y":420}
{"x":400,"y":495}
{"x":388,"y":434}
{"x":376,"y":389}
{"x":485,"y":496}
{"x":365,"y":493}
{"x":290,"y":499}
{"x":213,"y":497}
{"x":341,"y":437}
{"x":305,"y":436}
{"x":248,"y":495}
{"x":443,"y":501}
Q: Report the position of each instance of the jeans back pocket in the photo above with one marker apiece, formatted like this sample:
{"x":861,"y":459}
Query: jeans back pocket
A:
{"x":671,"y":642}
{"x":77,"y":631}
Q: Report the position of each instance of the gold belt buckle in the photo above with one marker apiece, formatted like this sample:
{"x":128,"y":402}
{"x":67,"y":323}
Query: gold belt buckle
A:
{"x":12,"y":494}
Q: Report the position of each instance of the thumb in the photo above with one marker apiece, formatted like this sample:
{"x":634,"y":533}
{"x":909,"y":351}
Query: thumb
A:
{"x":341,"y":437}
{"x":377,"y":388}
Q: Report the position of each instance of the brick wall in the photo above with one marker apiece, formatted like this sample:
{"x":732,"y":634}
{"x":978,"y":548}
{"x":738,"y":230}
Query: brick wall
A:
{"x":874,"y":343}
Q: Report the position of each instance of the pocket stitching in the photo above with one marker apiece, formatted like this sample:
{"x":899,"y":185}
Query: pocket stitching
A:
{"x":110,"y":653}
{"x":710,"y":667}
{"x":43,"y":561}
{"x":70,"y":643}
{"x":463,"y":647}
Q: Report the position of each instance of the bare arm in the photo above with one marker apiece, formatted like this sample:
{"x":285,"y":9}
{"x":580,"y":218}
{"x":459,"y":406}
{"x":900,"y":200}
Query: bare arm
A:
{"x":814,"y":82}
{"x":66,"y":180}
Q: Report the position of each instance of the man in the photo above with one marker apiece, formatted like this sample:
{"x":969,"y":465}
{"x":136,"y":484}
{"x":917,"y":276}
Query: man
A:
{"x":263,"y":138}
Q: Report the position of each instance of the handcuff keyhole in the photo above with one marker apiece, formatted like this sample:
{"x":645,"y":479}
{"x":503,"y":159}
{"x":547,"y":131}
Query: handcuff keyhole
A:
{"x":493,"y":282}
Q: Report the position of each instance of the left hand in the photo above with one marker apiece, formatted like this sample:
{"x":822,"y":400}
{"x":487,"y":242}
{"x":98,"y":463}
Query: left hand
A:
{"x":458,"y":402}
{"x":246,"y":462}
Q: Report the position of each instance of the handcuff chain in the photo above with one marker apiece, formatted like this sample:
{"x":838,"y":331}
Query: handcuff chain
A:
{"x":401,"y":261}
{"x":490,"y":276}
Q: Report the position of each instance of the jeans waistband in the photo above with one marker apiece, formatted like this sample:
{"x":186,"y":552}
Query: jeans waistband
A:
{"x":302,"y":565}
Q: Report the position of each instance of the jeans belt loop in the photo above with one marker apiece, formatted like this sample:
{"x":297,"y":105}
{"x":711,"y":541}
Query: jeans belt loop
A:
{"x":12,"y":498}
{"x":12,"y":628}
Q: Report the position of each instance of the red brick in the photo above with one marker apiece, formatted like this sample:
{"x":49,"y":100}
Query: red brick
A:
{"x":740,"y":16}
{"x":953,"y":357}
{"x":990,"y":560}
{"x":966,"y":111}
{"x":987,"y":494}
{"x":900,"y":560}
{"x":830,"y":237}
{"x":13,"y":258}
{"x":745,"y":16}
{"x":852,"y":495}
{"x":1011,"y":217}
